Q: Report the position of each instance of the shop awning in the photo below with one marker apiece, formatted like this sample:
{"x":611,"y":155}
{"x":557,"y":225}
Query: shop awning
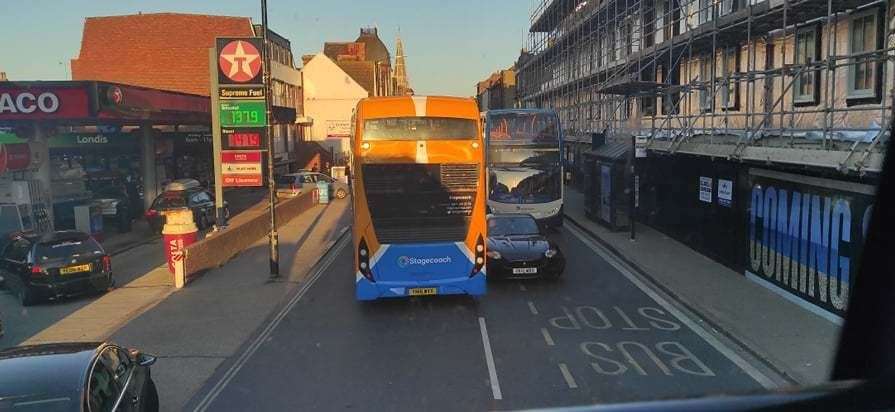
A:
{"x":611,"y":151}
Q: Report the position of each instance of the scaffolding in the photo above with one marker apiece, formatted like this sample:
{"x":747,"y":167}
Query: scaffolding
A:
{"x":806,"y":82}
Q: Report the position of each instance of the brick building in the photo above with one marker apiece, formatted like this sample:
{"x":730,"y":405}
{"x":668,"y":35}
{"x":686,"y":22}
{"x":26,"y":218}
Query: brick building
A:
{"x":169,"y":51}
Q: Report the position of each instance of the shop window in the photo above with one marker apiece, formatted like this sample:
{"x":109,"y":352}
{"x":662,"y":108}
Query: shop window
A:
{"x":730,"y":69}
{"x":807,"y":82}
{"x":864,"y":71}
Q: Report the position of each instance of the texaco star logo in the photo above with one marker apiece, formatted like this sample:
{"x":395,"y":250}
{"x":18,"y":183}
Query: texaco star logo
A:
{"x":240,"y":61}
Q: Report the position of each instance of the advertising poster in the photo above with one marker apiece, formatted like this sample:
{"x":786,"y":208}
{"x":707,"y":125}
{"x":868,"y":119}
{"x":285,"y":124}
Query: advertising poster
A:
{"x":705,"y":189}
{"x":805,"y":236}
{"x":725,"y":192}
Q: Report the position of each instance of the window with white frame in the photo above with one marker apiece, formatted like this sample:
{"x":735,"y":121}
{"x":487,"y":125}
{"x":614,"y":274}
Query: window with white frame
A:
{"x":706,"y":91}
{"x":807,"y":80}
{"x":730,"y":69}
{"x":863,"y":37}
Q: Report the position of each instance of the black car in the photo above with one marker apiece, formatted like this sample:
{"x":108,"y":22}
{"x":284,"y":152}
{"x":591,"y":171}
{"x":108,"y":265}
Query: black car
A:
{"x":89,"y":377}
{"x":518,"y":248}
{"x":53,"y":265}
{"x":184,"y":193}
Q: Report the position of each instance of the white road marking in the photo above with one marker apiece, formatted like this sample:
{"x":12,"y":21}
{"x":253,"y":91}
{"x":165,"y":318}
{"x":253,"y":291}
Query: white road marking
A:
{"x":489,"y":359}
{"x":570,"y":380}
{"x":547,"y":337}
{"x":522,"y":287}
{"x":265,"y":334}
{"x":729,"y":353}
{"x":532,"y":308}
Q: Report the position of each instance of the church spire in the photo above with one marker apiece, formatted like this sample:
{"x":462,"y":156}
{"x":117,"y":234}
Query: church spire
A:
{"x":402,"y":82}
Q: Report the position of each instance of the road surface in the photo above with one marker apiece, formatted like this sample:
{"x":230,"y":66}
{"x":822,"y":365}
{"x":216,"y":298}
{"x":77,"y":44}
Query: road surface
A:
{"x":598,"y":335}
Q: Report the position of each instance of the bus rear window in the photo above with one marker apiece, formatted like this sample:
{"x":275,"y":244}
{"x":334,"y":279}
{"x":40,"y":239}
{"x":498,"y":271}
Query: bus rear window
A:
{"x":420,"y":128}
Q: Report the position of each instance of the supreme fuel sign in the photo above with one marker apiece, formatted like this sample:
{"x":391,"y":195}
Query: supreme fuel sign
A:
{"x":241,"y":110}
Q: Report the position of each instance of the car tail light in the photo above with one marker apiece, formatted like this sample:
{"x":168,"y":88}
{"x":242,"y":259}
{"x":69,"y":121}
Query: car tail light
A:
{"x":363,"y":260}
{"x":107,"y":263}
{"x":151,"y":213}
{"x":37,"y":271}
{"x":479,"y":256}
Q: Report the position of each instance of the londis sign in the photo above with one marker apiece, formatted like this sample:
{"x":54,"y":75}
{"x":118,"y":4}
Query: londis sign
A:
{"x":43,"y":103}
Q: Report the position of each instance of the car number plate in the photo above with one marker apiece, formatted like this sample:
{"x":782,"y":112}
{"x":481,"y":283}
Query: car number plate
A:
{"x":422,"y":291}
{"x":524,"y":271}
{"x":74,"y":269}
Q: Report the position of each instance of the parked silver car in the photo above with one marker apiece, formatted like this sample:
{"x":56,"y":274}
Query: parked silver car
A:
{"x":293,"y":184}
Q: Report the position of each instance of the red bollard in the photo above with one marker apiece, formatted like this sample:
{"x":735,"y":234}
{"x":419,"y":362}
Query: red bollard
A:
{"x":178,"y":233}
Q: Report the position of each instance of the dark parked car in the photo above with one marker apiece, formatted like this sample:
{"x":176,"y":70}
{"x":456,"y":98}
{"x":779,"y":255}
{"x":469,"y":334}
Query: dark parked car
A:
{"x":518,"y":248}
{"x":53,"y":265}
{"x":184,"y":193}
{"x":88,"y":377}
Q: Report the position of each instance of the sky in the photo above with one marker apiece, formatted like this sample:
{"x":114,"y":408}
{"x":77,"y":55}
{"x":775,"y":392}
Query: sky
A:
{"x":450,"y":44}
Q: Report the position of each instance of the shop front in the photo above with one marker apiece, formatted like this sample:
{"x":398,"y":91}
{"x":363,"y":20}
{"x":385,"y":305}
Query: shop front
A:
{"x":103,"y":145}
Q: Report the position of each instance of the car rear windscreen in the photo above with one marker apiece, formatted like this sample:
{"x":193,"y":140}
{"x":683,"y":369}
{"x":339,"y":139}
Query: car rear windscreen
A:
{"x":66,"y":249}
{"x":170,"y":200}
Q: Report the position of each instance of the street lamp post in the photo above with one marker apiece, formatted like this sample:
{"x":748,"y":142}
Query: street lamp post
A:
{"x":271,"y":188}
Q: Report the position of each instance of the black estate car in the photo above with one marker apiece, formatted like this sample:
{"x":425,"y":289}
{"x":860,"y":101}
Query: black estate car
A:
{"x":518,"y":248}
{"x":52,"y":265}
{"x":89,"y":377}
{"x":184,"y":193}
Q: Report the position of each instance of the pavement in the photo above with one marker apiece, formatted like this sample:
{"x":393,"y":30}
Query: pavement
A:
{"x":793,"y":341}
{"x":197,"y":329}
{"x":601,"y":334}
{"x":141,"y":280}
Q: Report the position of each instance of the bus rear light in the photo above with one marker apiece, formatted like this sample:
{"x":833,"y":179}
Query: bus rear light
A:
{"x":479,"y":256}
{"x":363,"y":260}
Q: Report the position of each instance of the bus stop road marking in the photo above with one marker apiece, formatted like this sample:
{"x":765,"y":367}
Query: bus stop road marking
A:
{"x":726,"y":351}
{"x":532,"y":308}
{"x":570,"y":380}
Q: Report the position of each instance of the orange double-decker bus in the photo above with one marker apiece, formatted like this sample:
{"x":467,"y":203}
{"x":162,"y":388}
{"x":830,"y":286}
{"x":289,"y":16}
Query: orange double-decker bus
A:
{"x":419,"y":197}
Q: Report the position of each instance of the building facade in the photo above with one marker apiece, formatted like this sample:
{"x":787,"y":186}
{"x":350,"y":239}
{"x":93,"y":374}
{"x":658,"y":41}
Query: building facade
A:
{"x":330,"y":95}
{"x":171,"y":50}
{"x":498,"y":91}
{"x":763,"y":121}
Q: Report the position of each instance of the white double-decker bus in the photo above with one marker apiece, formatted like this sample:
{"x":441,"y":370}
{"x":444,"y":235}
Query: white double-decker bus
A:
{"x":524,"y":162}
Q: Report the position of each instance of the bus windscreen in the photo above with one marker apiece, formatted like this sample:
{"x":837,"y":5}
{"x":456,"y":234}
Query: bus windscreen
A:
{"x":528,"y":127}
{"x":420,"y":128}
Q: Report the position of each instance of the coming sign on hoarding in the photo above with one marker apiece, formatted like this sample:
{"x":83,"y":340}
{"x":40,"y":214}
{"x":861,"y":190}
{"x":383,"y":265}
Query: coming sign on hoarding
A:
{"x":805,"y":235}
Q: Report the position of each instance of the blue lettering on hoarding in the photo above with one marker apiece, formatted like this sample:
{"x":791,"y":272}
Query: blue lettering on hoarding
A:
{"x":803,"y":242}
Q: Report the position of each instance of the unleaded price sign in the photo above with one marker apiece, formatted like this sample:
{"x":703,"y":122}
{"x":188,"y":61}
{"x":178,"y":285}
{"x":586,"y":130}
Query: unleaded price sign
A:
{"x":243,"y":113}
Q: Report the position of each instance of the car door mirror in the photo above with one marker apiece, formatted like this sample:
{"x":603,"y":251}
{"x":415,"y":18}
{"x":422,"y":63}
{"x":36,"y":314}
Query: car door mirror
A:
{"x":145,"y":359}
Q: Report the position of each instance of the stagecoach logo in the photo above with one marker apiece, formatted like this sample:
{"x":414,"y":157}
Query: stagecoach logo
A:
{"x":405,"y":261}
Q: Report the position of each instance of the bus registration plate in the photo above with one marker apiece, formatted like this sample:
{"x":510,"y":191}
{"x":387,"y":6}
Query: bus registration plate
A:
{"x":524,"y":271}
{"x":422,"y":291}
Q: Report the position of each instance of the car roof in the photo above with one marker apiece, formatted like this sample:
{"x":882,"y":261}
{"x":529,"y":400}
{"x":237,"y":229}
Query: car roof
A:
{"x":46,"y":371}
